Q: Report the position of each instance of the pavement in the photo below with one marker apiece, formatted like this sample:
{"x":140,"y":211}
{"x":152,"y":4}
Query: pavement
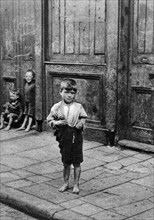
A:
{"x":115,"y":184}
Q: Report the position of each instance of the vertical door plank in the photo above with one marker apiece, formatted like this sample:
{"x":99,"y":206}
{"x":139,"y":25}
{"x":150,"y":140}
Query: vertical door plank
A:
{"x":56,"y":26}
{"x":149,"y":27}
{"x":69,"y":26}
{"x":100,"y":27}
{"x":141,"y":26}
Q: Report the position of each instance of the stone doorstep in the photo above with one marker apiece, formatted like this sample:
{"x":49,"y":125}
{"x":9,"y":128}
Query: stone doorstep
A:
{"x":136,"y":145}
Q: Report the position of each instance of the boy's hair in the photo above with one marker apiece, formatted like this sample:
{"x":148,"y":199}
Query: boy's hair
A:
{"x":68,"y":84}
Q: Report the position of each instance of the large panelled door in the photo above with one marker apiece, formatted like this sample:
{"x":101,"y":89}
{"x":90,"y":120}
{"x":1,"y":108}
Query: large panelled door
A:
{"x":142,"y":72}
{"x":81,"y":43}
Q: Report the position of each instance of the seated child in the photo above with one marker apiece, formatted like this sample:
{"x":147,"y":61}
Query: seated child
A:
{"x":29,"y":110}
{"x":12,"y":110}
{"x":68,"y":118}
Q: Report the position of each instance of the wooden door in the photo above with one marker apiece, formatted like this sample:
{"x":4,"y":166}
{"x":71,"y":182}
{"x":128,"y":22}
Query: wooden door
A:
{"x":81,"y":43}
{"x":142,"y":72}
{"x":20,"y":28}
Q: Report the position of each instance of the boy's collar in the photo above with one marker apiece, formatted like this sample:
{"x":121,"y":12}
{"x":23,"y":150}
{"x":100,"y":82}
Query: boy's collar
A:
{"x":64,"y":103}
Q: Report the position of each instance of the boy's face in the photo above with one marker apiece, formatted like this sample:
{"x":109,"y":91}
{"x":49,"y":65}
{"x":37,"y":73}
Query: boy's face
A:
{"x":68,"y":96}
{"x":29,"y":77}
{"x":13,"y":96}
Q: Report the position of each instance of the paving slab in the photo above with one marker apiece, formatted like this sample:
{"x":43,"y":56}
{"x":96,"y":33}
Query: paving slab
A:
{"x":45,"y":167}
{"x":22,"y":173}
{"x":147,"y":181}
{"x":108,"y":201}
{"x":48,"y":193}
{"x":134,"y":208}
{"x":4,"y":168}
{"x":147,"y":215}
{"x":108,"y":215}
{"x":13,"y":134}
{"x":17,"y":162}
{"x":7,"y":177}
{"x":131,"y":190}
{"x":139,"y":167}
{"x":67,"y":214}
{"x":19,"y":183}
{"x":86,"y":209}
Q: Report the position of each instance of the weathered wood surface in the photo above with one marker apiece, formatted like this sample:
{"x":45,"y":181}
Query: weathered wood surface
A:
{"x":20,"y":26}
{"x":136,"y":68}
{"x":77,"y":31}
{"x":82,"y":42}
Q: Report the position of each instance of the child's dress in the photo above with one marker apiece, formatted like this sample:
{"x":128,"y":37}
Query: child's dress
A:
{"x":29,"y":99}
{"x":69,"y":137}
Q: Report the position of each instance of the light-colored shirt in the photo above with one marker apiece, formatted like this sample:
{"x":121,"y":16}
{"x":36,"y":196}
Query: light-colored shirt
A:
{"x":72,"y":113}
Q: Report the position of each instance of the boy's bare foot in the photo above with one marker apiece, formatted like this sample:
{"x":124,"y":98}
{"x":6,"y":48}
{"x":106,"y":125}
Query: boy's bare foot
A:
{"x":27,"y":129}
{"x":1,"y":127}
{"x":7,"y":128}
{"x":21,"y":128}
{"x":64,"y":187}
{"x":76,"y":189}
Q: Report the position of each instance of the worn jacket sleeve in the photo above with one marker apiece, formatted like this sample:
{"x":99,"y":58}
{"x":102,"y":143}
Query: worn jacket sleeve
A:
{"x":51,"y":117}
{"x":82,"y":117}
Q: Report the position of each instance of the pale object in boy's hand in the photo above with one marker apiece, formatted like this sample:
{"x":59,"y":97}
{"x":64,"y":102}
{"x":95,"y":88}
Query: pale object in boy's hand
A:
{"x":79,"y":125}
{"x":60,"y":122}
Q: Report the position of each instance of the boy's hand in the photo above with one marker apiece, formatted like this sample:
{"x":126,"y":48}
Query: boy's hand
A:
{"x":79,"y":125}
{"x":60,"y":122}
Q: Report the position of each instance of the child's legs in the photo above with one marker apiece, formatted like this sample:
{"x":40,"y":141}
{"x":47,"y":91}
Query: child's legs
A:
{"x":24,"y":123}
{"x":66,"y":174}
{"x":2,"y":121}
{"x":77,"y":173}
{"x":10,"y":122}
{"x":30,"y":120}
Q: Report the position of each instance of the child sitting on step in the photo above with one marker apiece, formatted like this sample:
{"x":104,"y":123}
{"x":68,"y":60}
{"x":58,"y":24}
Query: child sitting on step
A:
{"x":12,"y":111}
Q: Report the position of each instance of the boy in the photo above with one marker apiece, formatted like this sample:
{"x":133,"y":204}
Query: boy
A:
{"x":29,"y":110}
{"x":68,"y":118}
{"x":12,"y":110}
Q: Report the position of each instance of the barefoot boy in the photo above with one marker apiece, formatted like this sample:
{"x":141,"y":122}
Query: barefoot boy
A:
{"x":29,"y":110}
{"x":68,"y":118}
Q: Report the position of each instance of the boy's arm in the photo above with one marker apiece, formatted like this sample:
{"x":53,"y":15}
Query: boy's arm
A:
{"x":53,"y":120}
{"x":82,"y":119}
{"x":50,"y":121}
{"x":54,"y":123}
{"x":80,"y":124}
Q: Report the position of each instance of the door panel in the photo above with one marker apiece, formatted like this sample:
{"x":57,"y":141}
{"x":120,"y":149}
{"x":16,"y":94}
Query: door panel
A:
{"x":77,"y":30}
{"x":142,"y":72}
